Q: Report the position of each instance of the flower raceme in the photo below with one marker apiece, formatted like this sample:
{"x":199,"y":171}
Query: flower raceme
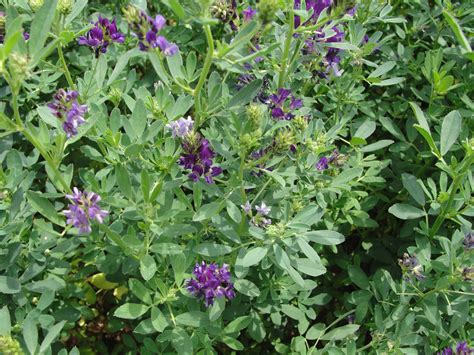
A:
{"x":462,"y":348}
{"x":66,"y":108}
{"x":146,"y":28}
{"x":83,"y":209}
{"x":210,"y":282}
{"x":278,"y":104}
{"x":181,"y":127}
{"x":198,"y":157}
{"x":411,"y":267}
{"x":101,"y":35}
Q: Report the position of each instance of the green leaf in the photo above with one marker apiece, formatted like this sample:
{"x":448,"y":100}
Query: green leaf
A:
{"x":46,"y":115}
{"x":131,"y":311}
{"x":420,"y":117}
{"x":450,"y":130}
{"x":30,"y":335}
{"x":233,"y":211}
{"x":365,"y":129}
{"x":78,"y":6}
{"x":176,"y":7}
{"x":325,"y":237}
{"x":247,"y":288}
{"x":9,"y":285}
{"x":123,"y":181}
{"x":237,"y":324}
{"x":381,"y":70}
{"x":122,"y":63}
{"x":139,"y":290}
{"x":217,"y":309}
{"x":207,"y":211}
{"x":377,"y":145}
{"x":404,"y":211}
{"x":147,"y":267}
{"x":158,"y":320}
{"x":358,"y":277}
{"x":40,"y":27}
{"x":429,"y":139}
{"x":244,"y":96}
{"x":391,"y":81}
{"x":5,"y":324}
{"x":254,"y":256}
{"x":309,"y":267}
{"x":293,"y":312}
{"x":341,"y":332}
{"x":283,"y":261}
{"x":52,"y":334}
{"x":309,"y":215}
{"x":457,"y":30}
{"x":193,"y":319}
{"x":212,"y":249}
{"x":315,"y":331}
{"x":232,"y":343}
{"x":346,"y":176}
{"x":275,"y":176}
{"x":182,"y":342}
{"x":44,"y":207}
{"x":413,"y":187}
{"x":139,"y":118}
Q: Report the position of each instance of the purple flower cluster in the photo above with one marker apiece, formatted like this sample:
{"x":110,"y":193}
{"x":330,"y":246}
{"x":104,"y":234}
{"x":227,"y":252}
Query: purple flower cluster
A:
{"x":260,"y":219}
{"x":468,"y":241}
{"x":197,"y":157}
{"x":336,"y":158}
{"x":210,"y":282}
{"x":181,"y":127}
{"x":316,"y":5}
{"x":101,"y":35}
{"x":146,"y":28}
{"x":411,"y":267}
{"x":83,"y":209}
{"x":332,"y":58}
{"x":462,"y":348}
{"x":278,"y":104}
{"x":66,"y":108}
{"x":249,"y":14}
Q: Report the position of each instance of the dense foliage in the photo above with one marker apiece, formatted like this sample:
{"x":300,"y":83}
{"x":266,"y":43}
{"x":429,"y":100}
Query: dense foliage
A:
{"x":209,"y":177}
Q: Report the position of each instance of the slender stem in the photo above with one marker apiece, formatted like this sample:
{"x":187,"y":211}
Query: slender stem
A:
{"x":205,"y":69}
{"x":454,"y":189}
{"x":65,"y":68}
{"x":286,"y":49}
{"x":86,"y":93}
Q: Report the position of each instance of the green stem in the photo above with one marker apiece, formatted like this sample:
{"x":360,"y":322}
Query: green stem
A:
{"x":65,"y":68}
{"x":286,"y":50}
{"x":454,"y":189}
{"x":205,"y":70}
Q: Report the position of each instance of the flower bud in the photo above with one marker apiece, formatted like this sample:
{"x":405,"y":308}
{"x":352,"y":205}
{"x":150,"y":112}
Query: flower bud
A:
{"x":115,"y":95}
{"x":3,"y":19}
{"x":284,"y":140}
{"x":35,"y":4}
{"x":223,"y":10}
{"x":266,"y":10}
{"x":300,"y":123}
{"x":132,"y":16}
{"x":255,"y":114}
{"x":18,"y":65}
{"x":65,"y":6}
{"x":10,"y":346}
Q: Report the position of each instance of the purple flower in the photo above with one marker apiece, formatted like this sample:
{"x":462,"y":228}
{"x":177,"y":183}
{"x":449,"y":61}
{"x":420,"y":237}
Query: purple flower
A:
{"x":182,"y":127}
{"x":249,"y":13}
{"x":322,"y":164}
{"x":316,"y":5}
{"x":411,"y":267}
{"x":263,"y":209}
{"x":247,"y":207}
{"x":146,"y":29}
{"x":468,"y":241}
{"x":101,"y":35}
{"x":352,"y":11}
{"x":462,"y":348}
{"x":197,"y":157}
{"x":26,"y":36}
{"x":277,"y":104}
{"x":66,"y":108}
{"x":83,"y":209}
{"x":210,"y":282}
